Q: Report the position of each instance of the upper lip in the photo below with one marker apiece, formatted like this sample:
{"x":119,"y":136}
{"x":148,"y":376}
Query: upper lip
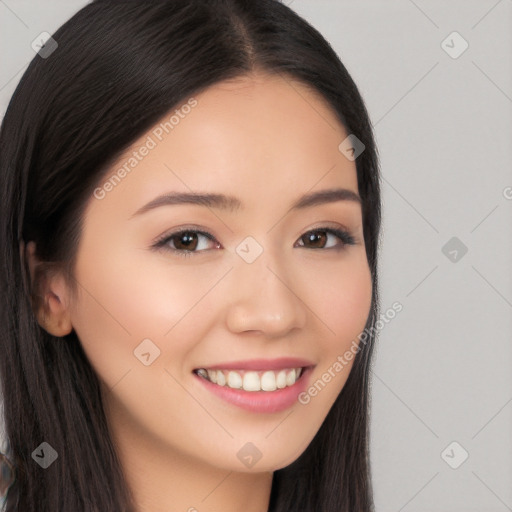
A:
{"x":261,"y":364}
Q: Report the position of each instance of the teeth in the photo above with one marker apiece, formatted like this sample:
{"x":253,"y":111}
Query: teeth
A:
{"x":202,"y":372}
{"x":221,"y":379}
{"x":281,"y":379}
{"x":291,"y":378}
{"x":234,"y":380}
{"x":252,"y":381}
{"x":268,"y":381}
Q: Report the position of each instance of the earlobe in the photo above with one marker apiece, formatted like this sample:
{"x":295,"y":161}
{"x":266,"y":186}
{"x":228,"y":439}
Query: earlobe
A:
{"x":49,"y":295}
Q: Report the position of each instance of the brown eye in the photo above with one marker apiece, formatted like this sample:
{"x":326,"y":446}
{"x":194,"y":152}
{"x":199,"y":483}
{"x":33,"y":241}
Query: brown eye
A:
{"x":317,"y":238}
{"x":186,"y":242}
{"x":313,"y":237}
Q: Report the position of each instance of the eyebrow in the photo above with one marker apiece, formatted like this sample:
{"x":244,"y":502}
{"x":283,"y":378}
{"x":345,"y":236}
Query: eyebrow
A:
{"x":232,"y":203}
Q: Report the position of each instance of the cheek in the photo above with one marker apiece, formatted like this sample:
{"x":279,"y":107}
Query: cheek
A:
{"x":149,"y":293}
{"x":124,"y":301}
{"x":341,"y":300}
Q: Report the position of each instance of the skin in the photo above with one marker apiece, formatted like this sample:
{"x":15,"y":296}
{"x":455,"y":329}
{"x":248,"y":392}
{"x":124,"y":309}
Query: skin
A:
{"x":266,"y":140}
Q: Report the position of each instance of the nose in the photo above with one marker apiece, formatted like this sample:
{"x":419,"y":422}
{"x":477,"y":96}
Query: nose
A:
{"x":266,"y":297}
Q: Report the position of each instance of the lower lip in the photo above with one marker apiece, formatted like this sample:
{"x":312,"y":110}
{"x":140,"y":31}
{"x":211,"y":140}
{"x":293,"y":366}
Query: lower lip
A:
{"x":260,"y":401}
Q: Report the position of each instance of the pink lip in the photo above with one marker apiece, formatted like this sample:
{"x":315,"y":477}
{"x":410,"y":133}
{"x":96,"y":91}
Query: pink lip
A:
{"x":262,"y":401}
{"x":261,"y":364}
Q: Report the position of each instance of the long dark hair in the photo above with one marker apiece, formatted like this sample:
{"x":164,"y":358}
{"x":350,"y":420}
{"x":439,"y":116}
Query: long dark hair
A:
{"x":119,"y":67}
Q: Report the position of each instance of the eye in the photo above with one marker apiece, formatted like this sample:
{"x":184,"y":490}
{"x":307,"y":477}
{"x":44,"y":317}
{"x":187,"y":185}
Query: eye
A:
{"x":185,"y":242}
{"x":314,"y":238}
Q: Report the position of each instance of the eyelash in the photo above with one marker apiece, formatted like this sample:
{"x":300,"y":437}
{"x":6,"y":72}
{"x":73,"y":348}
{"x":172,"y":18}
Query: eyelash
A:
{"x":161,"y":243}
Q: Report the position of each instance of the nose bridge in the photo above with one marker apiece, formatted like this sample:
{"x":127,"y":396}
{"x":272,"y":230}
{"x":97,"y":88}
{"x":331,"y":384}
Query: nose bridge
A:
{"x":263,"y":295}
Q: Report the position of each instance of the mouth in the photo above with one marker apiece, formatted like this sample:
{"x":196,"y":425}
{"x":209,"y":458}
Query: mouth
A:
{"x":250,"y":380}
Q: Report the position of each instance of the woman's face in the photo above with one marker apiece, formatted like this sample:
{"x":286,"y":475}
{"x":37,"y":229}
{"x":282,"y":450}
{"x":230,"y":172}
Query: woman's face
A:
{"x":272,"y":282}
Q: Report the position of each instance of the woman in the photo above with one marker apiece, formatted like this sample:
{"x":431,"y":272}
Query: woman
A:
{"x":190,"y":219}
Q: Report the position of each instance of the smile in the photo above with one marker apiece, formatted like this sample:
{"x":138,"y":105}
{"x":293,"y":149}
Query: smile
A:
{"x":266,"y":380}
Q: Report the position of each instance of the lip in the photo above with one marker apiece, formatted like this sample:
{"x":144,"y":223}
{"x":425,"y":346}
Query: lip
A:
{"x":261,"y":401}
{"x":261,"y":364}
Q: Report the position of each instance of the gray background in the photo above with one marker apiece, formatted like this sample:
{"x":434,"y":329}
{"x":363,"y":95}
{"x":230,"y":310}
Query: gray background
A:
{"x":442,"y":370}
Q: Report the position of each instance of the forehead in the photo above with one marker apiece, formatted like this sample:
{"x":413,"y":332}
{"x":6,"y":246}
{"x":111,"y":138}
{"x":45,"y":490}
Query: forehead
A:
{"x":252,"y":137}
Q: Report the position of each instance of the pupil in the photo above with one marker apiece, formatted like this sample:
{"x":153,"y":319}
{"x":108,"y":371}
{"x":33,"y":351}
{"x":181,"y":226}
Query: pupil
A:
{"x":186,"y":239}
{"x":313,"y":236}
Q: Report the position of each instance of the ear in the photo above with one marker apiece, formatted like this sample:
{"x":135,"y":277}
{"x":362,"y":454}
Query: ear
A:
{"x":50,"y":294}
